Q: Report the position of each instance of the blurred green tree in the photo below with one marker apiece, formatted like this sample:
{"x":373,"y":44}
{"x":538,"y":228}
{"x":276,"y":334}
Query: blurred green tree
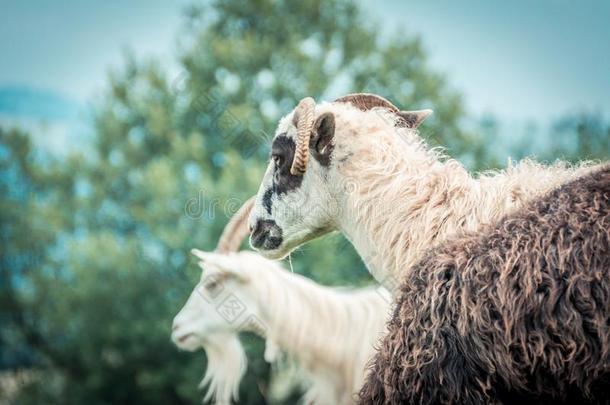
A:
{"x":22,"y":244}
{"x":573,"y":138}
{"x":579,"y":136}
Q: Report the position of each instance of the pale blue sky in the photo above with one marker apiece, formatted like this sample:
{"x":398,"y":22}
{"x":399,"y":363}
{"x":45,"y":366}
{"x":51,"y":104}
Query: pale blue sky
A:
{"x":518,"y":60}
{"x":68,"y":46}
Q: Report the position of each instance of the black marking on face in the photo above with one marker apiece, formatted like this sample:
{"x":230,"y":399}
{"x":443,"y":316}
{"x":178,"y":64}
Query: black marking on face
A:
{"x":282,"y":154}
{"x":267,"y":200}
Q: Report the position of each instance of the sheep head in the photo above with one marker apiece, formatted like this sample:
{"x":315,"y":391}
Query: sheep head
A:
{"x":301,"y":191}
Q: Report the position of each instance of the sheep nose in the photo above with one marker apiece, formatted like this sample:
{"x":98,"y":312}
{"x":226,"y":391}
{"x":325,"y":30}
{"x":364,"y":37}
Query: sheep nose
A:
{"x":266,"y":235}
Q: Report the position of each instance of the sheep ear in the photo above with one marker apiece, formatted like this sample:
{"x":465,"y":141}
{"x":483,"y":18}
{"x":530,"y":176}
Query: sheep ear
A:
{"x":320,"y":143}
{"x":415,"y":118}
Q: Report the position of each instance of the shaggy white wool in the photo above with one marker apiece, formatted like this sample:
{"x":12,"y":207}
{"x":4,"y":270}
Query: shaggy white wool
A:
{"x":227,"y":363}
{"x":404,"y":197}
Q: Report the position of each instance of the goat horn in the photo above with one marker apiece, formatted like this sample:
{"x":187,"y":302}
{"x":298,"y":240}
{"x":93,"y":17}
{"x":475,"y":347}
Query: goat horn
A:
{"x":236,"y":230}
{"x":367,"y":101}
{"x":304,"y":115}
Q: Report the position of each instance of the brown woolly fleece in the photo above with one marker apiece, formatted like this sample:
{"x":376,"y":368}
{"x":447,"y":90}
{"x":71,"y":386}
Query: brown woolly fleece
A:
{"x":518,"y":313}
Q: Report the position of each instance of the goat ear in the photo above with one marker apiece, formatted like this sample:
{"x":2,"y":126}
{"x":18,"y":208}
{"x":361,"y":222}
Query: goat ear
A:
{"x":415,"y":118}
{"x":320,"y":143}
{"x":228,"y":265}
{"x":209,"y":257}
{"x":200,"y":254}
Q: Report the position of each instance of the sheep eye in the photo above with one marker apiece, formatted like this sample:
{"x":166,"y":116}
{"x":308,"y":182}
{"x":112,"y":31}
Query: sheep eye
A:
{"x":277,"y":160}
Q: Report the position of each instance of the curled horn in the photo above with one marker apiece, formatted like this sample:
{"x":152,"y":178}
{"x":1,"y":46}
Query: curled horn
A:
{"x":367,"y":101}
{"x":236,"y":230}
{"x":304,"y":118}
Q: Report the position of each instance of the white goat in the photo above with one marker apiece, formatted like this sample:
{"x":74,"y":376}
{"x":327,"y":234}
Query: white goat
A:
{"x":372,"y":177}
{"x":330,"y":332}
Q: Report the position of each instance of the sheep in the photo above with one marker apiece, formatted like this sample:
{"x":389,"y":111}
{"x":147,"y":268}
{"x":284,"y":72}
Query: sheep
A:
{"x":519,"y":311}
{"x":358,"y":165}
{"x":330,"y":332}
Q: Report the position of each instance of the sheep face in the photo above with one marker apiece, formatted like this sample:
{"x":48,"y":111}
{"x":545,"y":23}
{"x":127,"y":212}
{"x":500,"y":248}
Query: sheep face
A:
{"x":302,"y":194}
{"x":292,"y":209}
{"x":216,"y":306}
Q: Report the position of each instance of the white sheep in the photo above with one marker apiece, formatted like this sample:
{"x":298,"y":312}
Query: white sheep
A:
{"x":359,"y":166}
{"x":330,"y":332}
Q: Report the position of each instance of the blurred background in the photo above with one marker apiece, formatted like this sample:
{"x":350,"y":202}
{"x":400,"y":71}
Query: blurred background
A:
{"x":129,"y":131}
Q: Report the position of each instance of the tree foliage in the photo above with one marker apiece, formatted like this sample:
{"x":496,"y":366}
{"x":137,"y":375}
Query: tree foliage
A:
{"x":95,"y":256}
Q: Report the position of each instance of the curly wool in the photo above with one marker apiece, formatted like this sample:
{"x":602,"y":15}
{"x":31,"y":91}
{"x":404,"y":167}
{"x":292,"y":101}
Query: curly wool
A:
{"x":518,"y":312}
